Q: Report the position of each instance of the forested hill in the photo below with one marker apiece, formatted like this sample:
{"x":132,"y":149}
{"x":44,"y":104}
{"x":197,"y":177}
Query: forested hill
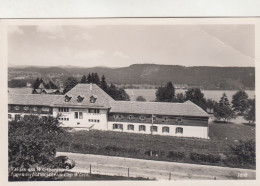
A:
{"x":205,"y":77}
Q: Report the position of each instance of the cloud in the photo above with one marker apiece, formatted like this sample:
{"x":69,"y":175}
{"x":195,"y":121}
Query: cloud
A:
{"x":90,"y":54}
{"x":15,"y":30}
{"x":120,"y":55}
{"x":53,"y":32}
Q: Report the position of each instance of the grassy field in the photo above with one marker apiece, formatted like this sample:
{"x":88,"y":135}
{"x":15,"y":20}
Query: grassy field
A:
{"x":222,"y":136}
{"x":231,"y":131}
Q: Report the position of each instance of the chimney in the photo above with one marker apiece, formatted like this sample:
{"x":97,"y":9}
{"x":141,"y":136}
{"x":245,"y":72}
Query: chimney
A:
{"x":90,"y":87}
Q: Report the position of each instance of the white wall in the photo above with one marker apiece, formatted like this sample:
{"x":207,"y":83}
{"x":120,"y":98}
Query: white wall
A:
{"x":188,"y":131}
{"x":84,"y":122}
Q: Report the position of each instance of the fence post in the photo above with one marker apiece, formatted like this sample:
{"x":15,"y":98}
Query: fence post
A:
{"x":128,"y":172}
{"x":89,"y":168}
{"x":170,"y":175}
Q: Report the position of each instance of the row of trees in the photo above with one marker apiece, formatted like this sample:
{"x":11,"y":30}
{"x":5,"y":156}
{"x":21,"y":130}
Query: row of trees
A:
{"x":49,"y":85}
{"x":223,"y":110}
{"x":112,"y":90}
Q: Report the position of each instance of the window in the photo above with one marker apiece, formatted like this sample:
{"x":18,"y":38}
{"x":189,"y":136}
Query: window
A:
{"x":67,"y":98}
{"x":165,"y":129}
{"x":179,"y":130}
{"x":118,"y":126}
{"x":130,"y":127}
{"x":16,"y":108}
{"x":165,"y":119}
{"x":9,"y":116}
{"x":17,"y":117}
{"x":63,"y":109}
{"x":92,"y":99}
{"x":45,"y":109}
{"x":35,"y":109}
{"x":141,"y":128}
{"x":78,"y":115}
{"x":118,"y":116}
{"x":26,"y":108}
{"x":93,"y":110}
{"x":130,"y":117}
{"x":80,"y":99}
{"x":179,"y":120}
{"x":154,"y":118}
{"x":153,"y":128}
{"x":142,"y":118}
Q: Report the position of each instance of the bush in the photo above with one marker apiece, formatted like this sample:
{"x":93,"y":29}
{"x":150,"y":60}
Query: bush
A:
{"x":210,"y":158}
{"x":245,"y":152}
{"x":174,"y":155}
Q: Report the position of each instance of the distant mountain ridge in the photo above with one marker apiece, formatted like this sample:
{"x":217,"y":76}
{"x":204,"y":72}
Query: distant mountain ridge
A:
{"x":205,"y":77}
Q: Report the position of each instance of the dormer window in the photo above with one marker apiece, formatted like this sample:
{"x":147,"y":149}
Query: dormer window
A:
{"x":67,"y":98}
{"x":93,"y":99}
{"x":80,"y":99}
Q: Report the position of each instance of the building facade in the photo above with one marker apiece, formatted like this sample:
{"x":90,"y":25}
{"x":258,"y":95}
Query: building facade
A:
{"x":88,"y":107}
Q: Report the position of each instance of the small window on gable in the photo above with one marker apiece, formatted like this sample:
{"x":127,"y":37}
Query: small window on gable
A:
{"x":142,"y":118}
{"x":80,"y":99}
{"x":17,"y":108}
{"x":93,"y":99}
{"x":26,"y":108}
{"x":67,"y":98}
{"x":118,"y":116}
{"x":179,"y":120}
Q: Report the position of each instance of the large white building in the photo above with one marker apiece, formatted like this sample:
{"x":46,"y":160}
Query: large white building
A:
{"x":88,"y":107}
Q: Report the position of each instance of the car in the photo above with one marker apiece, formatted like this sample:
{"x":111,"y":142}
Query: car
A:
{"x":63,"y":162}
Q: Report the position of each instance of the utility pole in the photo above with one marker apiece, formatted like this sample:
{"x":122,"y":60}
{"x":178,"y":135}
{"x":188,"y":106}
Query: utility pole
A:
{"x":152,"y":125}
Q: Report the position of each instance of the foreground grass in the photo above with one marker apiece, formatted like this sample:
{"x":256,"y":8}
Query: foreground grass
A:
{"x":157,"y":147}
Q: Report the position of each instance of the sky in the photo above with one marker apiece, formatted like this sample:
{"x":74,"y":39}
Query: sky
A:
{"x":123,"y":45}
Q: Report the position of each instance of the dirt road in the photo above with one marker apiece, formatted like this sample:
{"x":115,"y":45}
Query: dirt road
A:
{"x":159,"y":170}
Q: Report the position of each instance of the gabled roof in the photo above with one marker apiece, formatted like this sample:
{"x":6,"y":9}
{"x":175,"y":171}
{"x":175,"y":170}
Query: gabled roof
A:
{"x":32,"y":99}
{"x":160,"y":108}
{"x":86,"y":91}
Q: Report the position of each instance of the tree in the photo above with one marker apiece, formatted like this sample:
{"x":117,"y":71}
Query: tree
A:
{"x":103,"y":83}
{"x":165,"y":94}
{"x":223,"y":110}
{"x":52,"y":85}
{"x":89,"y":78}
{"x":140,"y":98}
{"x":249,"y":114}
{"x":69,"y":84}
{"x":36,"y":83}
{"x":211,"y":105}
{"x":95,"y":79}
{"x":240,"y":102}
{"x":117,"y":94}
{"x":83,"y":79}
{"x":33,"y":141}
{"x":196,"y":96}
{"x":180,"y":98}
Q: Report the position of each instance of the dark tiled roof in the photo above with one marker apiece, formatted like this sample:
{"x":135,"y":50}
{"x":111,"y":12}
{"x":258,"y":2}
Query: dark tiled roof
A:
{"x":32,"y":99}
{"x":86,"y":91}
{"x":161,"y":108}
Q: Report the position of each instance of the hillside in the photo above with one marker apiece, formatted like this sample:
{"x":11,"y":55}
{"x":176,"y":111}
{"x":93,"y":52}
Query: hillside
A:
{"x":203,"y":76}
